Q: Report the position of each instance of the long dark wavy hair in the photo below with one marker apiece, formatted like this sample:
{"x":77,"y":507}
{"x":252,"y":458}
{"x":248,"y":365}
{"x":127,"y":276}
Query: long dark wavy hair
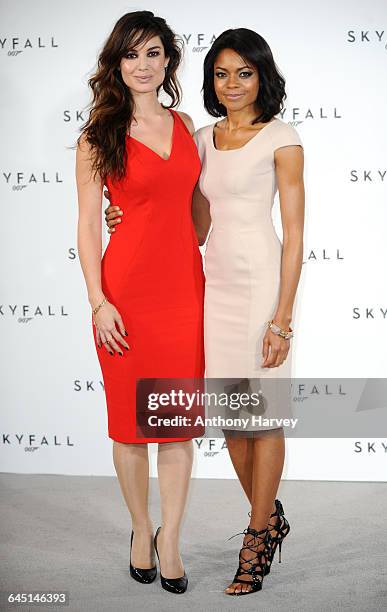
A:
{"x":111,"y":108}
{"x":256,"y":52}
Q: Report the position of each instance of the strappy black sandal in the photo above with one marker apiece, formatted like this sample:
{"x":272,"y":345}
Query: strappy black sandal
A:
{"x":256,"y":565}
{"x":282,"y":529}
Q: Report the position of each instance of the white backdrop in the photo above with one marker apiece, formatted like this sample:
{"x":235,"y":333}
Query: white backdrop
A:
{"x":333,"y":56}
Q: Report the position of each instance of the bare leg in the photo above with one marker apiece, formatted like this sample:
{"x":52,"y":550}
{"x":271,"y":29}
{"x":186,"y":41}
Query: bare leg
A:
{"x":241,"y":454}
{"x":268,"y":461}
{"x":174,"y":464}
{"x":132,"y":467}
{"x":269,"y":456}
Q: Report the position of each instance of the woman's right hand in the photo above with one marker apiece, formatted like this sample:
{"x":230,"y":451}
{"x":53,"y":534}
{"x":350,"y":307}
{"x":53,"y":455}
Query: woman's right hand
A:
{"x":106,"y":321}
{"x":113,"y":214}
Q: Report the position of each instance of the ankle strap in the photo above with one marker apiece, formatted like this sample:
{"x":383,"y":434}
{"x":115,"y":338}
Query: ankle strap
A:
{"x":249,"y":530}
{"x":279,"y":511}
{"x":257,"y":534}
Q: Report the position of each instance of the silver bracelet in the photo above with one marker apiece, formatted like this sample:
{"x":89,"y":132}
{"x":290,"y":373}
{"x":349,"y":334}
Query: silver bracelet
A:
{"x":278,"y":331}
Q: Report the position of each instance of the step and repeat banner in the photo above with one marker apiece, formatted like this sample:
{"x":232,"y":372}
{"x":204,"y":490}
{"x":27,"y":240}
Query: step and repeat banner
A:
{"x":333,"y":56}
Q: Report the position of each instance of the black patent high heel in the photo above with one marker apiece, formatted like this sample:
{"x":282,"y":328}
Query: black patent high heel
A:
{"x":173,"y":585}
{"x":145,"y":576}
{"x":256,"y":566}
{"x":282,"y":528}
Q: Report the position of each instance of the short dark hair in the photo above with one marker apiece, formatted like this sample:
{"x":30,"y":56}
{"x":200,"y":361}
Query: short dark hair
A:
{"x":256,"y":52}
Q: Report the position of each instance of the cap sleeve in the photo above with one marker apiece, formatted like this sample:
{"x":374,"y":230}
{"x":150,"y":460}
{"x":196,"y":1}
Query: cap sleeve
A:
{"x":285,"y":136}
{"x":199,"y":138}
{"x":195,"y":136}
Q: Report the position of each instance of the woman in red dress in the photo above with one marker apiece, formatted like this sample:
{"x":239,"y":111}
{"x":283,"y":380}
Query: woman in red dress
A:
{"x":146,"y":294}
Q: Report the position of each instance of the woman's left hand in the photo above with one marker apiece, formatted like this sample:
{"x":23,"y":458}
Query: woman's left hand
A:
{"x":113,"y":214}
{"x":274,"y":350}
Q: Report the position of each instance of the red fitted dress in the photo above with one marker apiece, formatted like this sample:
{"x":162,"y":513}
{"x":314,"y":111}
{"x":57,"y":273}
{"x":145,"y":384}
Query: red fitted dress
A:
{"x":152,"y":272}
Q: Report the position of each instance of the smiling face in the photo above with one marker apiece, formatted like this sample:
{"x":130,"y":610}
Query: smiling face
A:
{"x":143,"y":67}
{"x":236,"y":83}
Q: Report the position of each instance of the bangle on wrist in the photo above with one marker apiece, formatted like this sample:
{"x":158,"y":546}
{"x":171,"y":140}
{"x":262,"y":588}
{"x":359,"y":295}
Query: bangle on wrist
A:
{"x":276,"y":329}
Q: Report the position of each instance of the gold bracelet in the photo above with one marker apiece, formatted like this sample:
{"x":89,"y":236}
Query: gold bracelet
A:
{"x":96,"y":309}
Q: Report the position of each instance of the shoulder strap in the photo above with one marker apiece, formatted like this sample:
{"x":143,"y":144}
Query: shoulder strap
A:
{"x":177,"y":116}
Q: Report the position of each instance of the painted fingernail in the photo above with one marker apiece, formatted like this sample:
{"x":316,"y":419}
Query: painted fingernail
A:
{"x":122,"y":354}
{"x":111,"y":353}
{"x":125,"y":333}
{"x":126,"y":348}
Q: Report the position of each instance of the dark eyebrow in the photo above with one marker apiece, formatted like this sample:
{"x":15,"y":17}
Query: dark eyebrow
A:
{"x":150,"y":48}
{"x":225,"y":69}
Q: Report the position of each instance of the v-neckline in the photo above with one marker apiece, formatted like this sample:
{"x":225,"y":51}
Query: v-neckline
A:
{"x":163,"y":159}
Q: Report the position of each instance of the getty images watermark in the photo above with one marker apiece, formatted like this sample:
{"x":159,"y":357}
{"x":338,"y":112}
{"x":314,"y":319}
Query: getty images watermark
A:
{"x":235,"y":401}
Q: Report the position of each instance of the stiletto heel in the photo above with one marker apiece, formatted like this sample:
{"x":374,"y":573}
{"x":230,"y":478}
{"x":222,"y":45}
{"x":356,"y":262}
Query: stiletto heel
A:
{"x":256,"y":566}
{"x":145,"y":576}
{"x":279,"y":551}
{"x":282,"y":528}
{"x":173,"y":585}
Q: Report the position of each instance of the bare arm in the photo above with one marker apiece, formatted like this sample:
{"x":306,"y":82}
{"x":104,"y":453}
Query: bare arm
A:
{"x":289,"y":163}
{"x":89,"y":223}
{"x":200,"y":206}
{"x":201,"y":215}
{"x":90,"y":252}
